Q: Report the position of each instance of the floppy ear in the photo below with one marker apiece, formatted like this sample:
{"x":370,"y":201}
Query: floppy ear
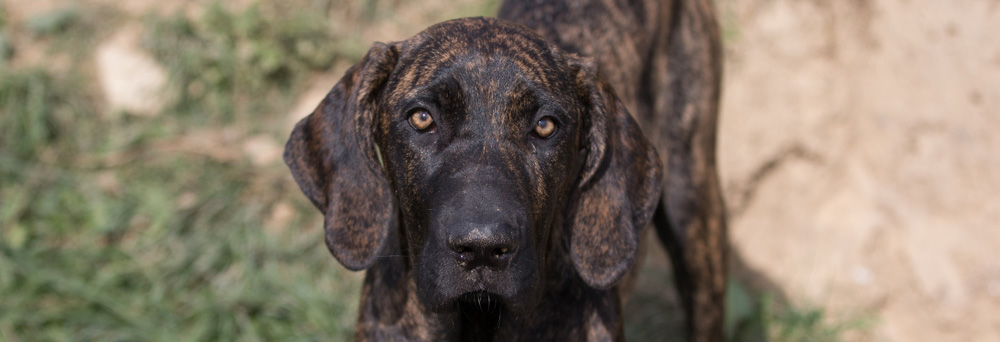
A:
{"x":619,"y":186}
{"x":332,"y":157}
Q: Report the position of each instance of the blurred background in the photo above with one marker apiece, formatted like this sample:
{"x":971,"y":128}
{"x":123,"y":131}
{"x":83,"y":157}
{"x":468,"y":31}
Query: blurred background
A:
{"x":143,"y":197}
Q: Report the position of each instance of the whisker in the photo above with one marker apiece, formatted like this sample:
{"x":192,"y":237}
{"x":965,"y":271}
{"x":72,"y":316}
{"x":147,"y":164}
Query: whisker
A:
{"x":499,"y":315}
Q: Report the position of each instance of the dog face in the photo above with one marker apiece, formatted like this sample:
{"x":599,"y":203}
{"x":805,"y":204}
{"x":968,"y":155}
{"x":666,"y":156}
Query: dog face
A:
{"x":500,"y":154}
{"x":481,"y":138}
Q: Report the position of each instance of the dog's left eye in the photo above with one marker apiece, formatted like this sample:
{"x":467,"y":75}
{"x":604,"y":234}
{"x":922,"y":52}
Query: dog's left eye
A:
{"x":422,"y":121}
{"x":545,"y":127}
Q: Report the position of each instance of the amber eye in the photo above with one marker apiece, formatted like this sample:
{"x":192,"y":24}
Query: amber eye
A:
{"x":421,"y":120}
{"x":545,"y":127}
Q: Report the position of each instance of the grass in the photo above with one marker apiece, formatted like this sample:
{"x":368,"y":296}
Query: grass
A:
{"x":237,"y":63}
{"x":161,"y":228}
{"x":110,"y":232}
{"x":761,"y":317}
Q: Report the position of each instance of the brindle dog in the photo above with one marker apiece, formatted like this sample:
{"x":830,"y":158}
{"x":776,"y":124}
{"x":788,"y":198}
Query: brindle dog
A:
{"x":495,"y":186}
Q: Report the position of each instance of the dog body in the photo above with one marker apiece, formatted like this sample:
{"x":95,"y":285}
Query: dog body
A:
{"x":664,"y":60}
{"x":496,"y":188}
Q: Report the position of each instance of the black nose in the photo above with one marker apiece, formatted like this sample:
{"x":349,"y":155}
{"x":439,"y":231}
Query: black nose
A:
{"x":484,"y":245}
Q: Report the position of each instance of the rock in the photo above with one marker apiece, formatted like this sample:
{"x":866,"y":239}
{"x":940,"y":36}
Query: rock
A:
{"x":132,"y":81}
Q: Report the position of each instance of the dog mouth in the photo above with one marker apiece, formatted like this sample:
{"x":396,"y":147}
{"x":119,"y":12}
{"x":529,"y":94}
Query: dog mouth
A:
{"x":481,"y":301}
{"x":482,"y":312}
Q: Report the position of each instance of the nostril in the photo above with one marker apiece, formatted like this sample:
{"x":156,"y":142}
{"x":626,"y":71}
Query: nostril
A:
{"x":463,"y":253}
{"x":500,"y":252}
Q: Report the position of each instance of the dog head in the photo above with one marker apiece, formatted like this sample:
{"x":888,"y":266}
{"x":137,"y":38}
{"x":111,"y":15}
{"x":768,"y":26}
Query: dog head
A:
{"x":496,"y":152}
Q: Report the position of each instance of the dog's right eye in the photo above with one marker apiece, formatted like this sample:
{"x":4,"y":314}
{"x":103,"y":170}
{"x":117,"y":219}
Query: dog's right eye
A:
{"x":422,"y":121}
{"x":545,"y":127}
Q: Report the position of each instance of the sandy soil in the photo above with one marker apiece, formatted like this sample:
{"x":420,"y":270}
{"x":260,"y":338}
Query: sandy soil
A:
{"x":858,"y":156}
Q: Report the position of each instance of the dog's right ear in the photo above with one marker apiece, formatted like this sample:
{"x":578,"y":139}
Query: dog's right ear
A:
{"x":332,"y":156}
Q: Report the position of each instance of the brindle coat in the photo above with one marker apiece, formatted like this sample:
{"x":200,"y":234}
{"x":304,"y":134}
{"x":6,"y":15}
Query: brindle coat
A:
{"x":476,"y":227}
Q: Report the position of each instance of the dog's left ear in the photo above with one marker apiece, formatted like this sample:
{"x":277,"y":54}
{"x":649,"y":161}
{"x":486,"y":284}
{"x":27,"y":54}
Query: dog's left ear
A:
{"x":619,"y":185}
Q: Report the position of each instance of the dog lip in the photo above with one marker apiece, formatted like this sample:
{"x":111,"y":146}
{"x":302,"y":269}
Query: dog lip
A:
{"x":485,"y":301}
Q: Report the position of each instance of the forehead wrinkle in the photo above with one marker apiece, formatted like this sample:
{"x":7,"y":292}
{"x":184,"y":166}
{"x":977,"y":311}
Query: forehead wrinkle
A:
{"x":494,"y":90}
{"x":529,"y":58}
{"x":441,"y":44}
{"x":416,"y":80}
{"x":425,"y":54}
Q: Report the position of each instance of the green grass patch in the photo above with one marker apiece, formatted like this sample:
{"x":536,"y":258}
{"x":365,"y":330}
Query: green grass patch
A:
{"x":71,"y":30}
{"x":118,"y":228}
{"x":231,"y":66}
{"x":754,"y":317}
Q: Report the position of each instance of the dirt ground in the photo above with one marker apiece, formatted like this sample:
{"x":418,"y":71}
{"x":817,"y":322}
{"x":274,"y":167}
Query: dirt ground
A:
{"x":857,"y":147}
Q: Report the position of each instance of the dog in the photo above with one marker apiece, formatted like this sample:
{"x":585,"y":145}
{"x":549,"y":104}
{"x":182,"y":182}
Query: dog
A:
{"x":494,"y":176}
